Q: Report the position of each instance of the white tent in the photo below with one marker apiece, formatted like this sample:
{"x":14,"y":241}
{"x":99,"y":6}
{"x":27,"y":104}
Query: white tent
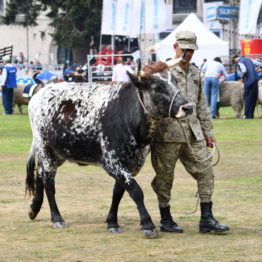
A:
{"x":209,"y":44}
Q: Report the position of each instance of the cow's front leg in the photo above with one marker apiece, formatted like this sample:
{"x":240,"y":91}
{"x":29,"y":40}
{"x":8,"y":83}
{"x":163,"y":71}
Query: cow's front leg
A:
{"x":137,"y":195}
{"x":112,"y":222}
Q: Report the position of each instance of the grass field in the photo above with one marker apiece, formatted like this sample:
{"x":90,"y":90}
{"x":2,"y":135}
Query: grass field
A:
{"x":84,"y":196}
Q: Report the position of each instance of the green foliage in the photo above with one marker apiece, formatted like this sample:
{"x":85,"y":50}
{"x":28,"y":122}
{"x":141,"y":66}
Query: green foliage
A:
{"x":74,"y":22}
{"x":29,"y":9}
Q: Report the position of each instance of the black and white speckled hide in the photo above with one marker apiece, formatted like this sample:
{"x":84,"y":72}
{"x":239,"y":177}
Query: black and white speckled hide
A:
{"x":99,"y":124}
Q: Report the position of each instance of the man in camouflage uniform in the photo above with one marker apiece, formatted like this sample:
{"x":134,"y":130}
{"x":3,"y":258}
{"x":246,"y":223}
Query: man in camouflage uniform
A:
{"x":189,"y":144}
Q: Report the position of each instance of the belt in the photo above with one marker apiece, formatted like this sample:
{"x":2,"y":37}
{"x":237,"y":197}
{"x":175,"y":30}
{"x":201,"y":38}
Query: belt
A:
{"x":212,"y":76}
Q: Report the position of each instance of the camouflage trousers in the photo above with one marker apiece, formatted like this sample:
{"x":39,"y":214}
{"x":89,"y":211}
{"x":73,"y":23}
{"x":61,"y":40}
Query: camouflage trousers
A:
{"x":164,"y":157}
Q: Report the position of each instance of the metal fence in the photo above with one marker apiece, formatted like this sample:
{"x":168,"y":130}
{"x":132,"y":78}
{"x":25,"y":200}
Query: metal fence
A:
{"x":94,"y":72}
{"x":6,"y":51}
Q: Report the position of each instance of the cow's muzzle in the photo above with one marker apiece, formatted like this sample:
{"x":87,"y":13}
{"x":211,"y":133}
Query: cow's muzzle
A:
{"x":184,"y":110}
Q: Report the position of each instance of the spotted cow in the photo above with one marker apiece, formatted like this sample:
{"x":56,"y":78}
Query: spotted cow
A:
{"x":105,"y":124}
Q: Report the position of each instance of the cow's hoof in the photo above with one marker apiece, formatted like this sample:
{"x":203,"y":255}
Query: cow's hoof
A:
{"x":151,"y":234}
{"x":60,"y":225}
{"x":115,"y":230}
{"x":32,"y":215}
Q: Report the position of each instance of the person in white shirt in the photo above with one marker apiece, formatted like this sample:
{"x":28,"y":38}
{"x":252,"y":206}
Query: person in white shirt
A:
{"x":119,"y":71}
{"x":212,"y":71}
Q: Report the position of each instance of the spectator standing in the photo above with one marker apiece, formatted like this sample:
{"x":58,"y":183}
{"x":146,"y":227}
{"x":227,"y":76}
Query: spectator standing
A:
{"x":8,"y":83}
{"x":79,"y":75}
{"x":100,"y":70}
{"x":250,"y":79}
{"x":185,"y":139}
{"x":204,"y":61}
{"x":74,"y":66}
{"x":21,"y":58}
{"x":68,"y":73}
{"x":120,"y":71}
{"x":212,"y":71}
{"x":39,"y":66}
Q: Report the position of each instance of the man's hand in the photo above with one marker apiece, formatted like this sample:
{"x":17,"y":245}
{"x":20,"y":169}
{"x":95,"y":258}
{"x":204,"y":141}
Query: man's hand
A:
{"x":210,"y":141}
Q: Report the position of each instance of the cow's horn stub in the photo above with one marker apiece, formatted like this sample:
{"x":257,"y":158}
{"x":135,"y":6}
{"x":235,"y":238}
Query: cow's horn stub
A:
{"x":141,"y":73}
{"x":173,"y":62}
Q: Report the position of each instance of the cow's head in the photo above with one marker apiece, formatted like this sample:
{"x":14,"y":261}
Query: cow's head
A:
{"x":158,"y":91}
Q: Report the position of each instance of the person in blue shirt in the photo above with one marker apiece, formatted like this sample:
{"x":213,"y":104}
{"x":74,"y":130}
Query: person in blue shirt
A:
{"x":8,"y":83}
{"x":68,"y":73}
{"x":250,"y":79}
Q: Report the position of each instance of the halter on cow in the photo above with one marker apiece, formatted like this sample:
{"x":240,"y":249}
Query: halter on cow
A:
{"x":101,"y":124}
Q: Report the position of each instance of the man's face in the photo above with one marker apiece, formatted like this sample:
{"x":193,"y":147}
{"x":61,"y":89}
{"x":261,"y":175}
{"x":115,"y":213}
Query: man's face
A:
{"x":180,"y":52}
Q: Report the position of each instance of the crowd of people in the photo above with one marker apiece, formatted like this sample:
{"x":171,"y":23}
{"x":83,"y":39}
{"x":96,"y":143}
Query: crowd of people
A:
{"x":214,"y":72}
{"x":115,"y":68}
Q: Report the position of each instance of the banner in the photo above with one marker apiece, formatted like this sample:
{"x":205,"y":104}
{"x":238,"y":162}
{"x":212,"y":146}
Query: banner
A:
{"x":108,"y":25}
{"x":134,"y":17}
{"x":155,"y":16}
{"x":251,"y":46}
{"x":128,"y":17}
{"x":169,"y":13}
{"x":249,"y":11}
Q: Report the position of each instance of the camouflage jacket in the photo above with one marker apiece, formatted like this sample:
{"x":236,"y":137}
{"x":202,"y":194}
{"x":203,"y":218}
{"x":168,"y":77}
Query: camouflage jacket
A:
{"x":198,"y":125}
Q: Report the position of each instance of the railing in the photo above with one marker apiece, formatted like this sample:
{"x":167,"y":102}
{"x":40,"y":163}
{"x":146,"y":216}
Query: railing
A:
{"x":6,"y":51}
{"x":106,"y":74}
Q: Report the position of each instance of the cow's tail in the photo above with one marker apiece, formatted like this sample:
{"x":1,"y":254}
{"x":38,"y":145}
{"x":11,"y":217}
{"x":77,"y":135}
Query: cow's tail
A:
{"x":31,"y":172}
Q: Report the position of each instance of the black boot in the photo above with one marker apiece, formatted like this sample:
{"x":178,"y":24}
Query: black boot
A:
{"x":208,"y":223}
{"x":166,"y":223}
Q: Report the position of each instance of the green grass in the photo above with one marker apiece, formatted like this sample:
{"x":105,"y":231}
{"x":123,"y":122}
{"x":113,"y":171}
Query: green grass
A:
{"x":84,"y":195}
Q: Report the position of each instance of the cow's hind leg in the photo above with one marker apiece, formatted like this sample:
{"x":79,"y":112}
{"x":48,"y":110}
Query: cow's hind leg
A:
{"x":38,"y":199}
{"x":111,"y":220}
{"x":47,"y":169}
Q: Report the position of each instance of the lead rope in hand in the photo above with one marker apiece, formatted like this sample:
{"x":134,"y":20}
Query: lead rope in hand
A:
{"x":215,"y":148}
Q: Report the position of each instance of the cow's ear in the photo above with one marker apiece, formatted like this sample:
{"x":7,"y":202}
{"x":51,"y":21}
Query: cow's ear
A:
{"x":136,"y":81}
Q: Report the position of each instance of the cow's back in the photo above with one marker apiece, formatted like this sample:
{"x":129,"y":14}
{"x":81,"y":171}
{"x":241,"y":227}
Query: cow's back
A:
{"x":231,"y":93}
{"x":86,"y":100}
{"x":19,"y":99}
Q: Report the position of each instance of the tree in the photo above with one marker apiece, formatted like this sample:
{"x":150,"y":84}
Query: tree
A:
{"x":76,"y":23}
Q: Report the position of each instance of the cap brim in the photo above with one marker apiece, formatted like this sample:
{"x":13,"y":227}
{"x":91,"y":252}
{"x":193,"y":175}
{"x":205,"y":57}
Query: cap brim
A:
{"x":189,"y":46}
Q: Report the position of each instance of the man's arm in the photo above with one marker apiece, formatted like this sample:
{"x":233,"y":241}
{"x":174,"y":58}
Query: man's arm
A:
{"x":4,"y":76}
{"x":243,"y":70}
{"x":224,"y":72}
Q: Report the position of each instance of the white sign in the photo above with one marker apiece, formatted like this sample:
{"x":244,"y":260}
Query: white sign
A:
{"x":211,"y":13}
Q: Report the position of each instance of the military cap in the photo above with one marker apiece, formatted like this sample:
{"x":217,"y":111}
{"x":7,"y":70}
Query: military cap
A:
{"x":186,"y":40}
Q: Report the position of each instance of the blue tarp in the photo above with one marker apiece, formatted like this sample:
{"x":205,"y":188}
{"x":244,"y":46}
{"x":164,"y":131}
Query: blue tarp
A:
{"x":235,"y":77}
{"x":46,"y":75}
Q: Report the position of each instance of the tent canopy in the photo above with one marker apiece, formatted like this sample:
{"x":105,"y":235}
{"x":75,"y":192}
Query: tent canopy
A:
{"x":209,"y":44}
